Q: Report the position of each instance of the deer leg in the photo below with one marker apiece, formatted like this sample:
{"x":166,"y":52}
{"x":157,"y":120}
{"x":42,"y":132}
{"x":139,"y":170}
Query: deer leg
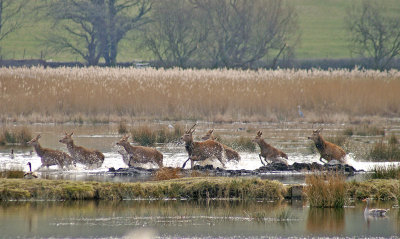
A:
{"x":191,"y":163}
{"x":261,"y":159}
{"x":320,"y":159}
{"x":184,"y":164}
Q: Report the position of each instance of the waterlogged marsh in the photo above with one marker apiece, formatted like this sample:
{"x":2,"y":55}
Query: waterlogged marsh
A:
{"x":190,"y":219}
{"x":290,"y":137}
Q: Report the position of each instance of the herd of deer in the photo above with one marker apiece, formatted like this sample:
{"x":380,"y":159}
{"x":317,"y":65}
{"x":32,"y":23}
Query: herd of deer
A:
{"x":197,"y":151}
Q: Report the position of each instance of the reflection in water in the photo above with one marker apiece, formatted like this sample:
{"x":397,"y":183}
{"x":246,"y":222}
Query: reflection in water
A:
{"x":191,"y":219}
{"x":330,"y":220}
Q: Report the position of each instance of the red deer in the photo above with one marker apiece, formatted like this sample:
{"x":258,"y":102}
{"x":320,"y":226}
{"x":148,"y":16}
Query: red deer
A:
{"x":88,"y":157}
{"x":327,"y":150}
{"x":140,"y":154}
{"x":200,"y":151}
{"x":50,"y":157}
{"x":231,"y":154}
{"x":268,"y":152}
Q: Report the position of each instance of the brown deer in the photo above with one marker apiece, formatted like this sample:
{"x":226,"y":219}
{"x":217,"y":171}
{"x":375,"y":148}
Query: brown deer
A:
{"x":200,"y":151}
{"x":50,"y":157}
{"x":268,"y":152}
{"x":140,"y":154}
{"x":327,"y":150}
{"x":231,"y":154}
{"x":88,"y":157}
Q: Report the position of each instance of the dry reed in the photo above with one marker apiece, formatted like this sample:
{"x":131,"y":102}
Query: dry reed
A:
{"x":326,"y":190}
{"x":107,"y":94}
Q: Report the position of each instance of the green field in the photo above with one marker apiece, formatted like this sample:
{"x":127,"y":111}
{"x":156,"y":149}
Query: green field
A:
{"x":321,"y":24}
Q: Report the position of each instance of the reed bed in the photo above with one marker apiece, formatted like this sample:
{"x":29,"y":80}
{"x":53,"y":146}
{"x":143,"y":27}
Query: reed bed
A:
{"x":385,"y":150}
{"x":106,"y":94}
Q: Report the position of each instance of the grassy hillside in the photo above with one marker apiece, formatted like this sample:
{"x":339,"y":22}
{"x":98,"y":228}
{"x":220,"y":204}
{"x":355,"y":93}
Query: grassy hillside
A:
{"x":321,"y":24}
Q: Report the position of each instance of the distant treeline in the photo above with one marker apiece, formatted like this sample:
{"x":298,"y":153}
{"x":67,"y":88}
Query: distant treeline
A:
{"x":323,"y":64}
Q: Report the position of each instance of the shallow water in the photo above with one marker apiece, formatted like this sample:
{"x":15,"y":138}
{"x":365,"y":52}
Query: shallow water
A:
{"x":289,"y":137}
{"x":190,"y":219}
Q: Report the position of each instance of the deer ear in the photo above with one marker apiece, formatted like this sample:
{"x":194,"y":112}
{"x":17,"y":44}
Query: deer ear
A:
{"x":212,"y":130}
{"x":38,"y":136}
{"x":319,"y":130}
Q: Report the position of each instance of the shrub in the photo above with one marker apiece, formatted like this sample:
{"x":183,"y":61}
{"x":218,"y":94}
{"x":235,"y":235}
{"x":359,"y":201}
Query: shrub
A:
{"x":382,"y":151}
{"x":122,"y":128}
{"x":326,"y":190}
{"x":146,"y":136}
{"x":18,"y":135}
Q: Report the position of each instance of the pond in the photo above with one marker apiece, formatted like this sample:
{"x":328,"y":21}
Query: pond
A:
{"x":190,"y":219}
{"x":290,"y":137}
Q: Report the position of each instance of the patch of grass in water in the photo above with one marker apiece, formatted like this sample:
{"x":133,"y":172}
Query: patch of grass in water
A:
{"x":385,"y":151}
{"x":326,"y":190}
{"x":386,"y":172}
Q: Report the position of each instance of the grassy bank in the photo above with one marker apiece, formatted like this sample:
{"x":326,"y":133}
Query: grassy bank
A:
{"x":109,"y":94}
{"x":191,"y":188}
{"x":194,"y":188}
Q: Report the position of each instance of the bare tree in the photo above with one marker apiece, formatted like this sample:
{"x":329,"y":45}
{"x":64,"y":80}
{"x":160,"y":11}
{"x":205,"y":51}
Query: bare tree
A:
{"x":374,"y":33}
{"x":176,"y":31}
{"x":11,"y":18}
{"x":93,"y":28}
{"x":122,"y":17}
{"x":245,"y":31}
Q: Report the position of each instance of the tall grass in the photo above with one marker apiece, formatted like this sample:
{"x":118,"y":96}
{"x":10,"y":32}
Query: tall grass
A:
{"x":385,"y":151}
{"x":17,"y":135}
{"x":326,"y":190}
{"x":386,"y":172}
{"x":147,"y":136}
{"x":107,"y":94}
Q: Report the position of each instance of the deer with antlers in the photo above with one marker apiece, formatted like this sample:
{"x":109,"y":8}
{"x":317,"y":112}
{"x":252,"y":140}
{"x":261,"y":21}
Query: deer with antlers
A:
{"x":50,"y":157}
{"x":231,"y":154}
{"x":327,"y":150}
{"x":140,"y":154}
{"x":88,"y":157}
{"x":200,"y":151}
{"x":268,"y":152}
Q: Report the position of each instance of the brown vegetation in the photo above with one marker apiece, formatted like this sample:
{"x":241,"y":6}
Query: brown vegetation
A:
{"x":88,"y":157}
{"x":268,"y":152}
{"x":326,"y":190}
{"x":50,"y":157}
{"x":140,"y":154}
{"x":167,"y":173}
{"x":107,"y":94}
{"x":328,"y":150}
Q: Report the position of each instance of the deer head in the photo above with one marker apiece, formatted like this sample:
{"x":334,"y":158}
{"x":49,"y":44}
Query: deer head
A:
{"x":67,"y":138}
{"x":315,"y":135}
{"x":208,"y":135}
{"x":123,"y":140}
{"x":258,"y":137}
{"x":34,"y":141}
{"x":188,"y":136}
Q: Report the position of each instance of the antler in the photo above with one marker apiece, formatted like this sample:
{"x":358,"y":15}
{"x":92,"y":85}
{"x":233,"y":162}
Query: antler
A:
{"x":190,"y":130}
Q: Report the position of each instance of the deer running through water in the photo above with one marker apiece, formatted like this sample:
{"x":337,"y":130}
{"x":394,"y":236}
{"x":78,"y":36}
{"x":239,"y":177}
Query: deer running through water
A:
{"x":327,"y":150}
{"x":200,"y":151}
{"x":50,"y":157}
{"x":140,"y":154}
{"x":88,"y":157}
{"x":268,"y":152}
{"x":231,"y":154}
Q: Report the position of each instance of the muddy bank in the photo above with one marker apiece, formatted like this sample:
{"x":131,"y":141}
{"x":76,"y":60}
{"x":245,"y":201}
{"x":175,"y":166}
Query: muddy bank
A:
{"x":270,"y":168}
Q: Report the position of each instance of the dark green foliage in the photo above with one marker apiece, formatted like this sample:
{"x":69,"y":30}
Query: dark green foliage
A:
{"x":19,"y":135}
